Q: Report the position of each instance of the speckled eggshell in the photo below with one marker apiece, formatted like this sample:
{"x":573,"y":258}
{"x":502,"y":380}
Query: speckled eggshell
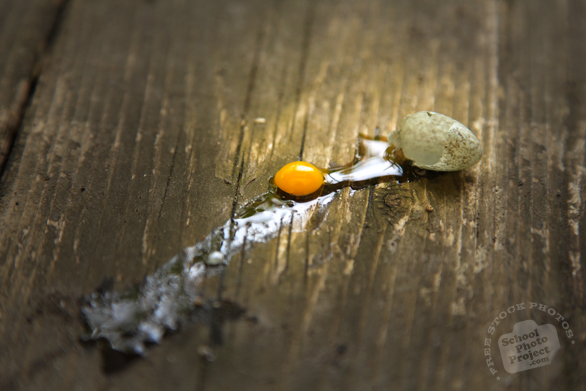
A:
{"x":434,"y":141}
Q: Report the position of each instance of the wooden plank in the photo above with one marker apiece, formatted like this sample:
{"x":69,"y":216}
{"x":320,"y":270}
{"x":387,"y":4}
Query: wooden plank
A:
{"x":26,"y":29}
{"x":141,"y":137}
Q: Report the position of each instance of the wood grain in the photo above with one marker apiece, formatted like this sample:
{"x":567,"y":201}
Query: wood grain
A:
{"x":141,"y":137}
{"x":26,"y":30}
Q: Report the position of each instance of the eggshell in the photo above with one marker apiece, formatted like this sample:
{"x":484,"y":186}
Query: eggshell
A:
{"x":434,"y":141}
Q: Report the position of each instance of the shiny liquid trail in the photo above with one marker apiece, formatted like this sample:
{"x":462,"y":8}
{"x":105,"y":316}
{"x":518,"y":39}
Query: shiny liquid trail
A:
{"x":168,"y":297}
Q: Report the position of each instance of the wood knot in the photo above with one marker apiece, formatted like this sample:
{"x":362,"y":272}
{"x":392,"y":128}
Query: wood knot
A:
{"x":393,"y":200}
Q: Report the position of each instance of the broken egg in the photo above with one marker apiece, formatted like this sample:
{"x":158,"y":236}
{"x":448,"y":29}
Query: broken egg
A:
{"x":299,"y":178}
{"x":434,"y":141}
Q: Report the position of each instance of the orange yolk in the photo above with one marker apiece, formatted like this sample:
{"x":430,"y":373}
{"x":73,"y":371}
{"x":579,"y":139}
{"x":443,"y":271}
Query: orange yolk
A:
{"x":299,"y":178}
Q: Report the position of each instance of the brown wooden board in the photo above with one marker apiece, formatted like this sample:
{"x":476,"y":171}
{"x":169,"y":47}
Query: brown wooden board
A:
{"x":26,"y":30}
{"x":141,"y":138}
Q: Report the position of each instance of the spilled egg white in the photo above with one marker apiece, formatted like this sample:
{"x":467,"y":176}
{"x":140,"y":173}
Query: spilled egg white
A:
{"x":434,"y":141}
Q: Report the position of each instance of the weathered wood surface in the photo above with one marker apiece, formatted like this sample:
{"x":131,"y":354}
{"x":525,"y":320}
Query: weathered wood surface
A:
{"x":26,"y":29}
{"x":141,"y":137}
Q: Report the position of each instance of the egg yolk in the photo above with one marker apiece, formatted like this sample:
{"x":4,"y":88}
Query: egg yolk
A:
{"x":299,"y":178}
